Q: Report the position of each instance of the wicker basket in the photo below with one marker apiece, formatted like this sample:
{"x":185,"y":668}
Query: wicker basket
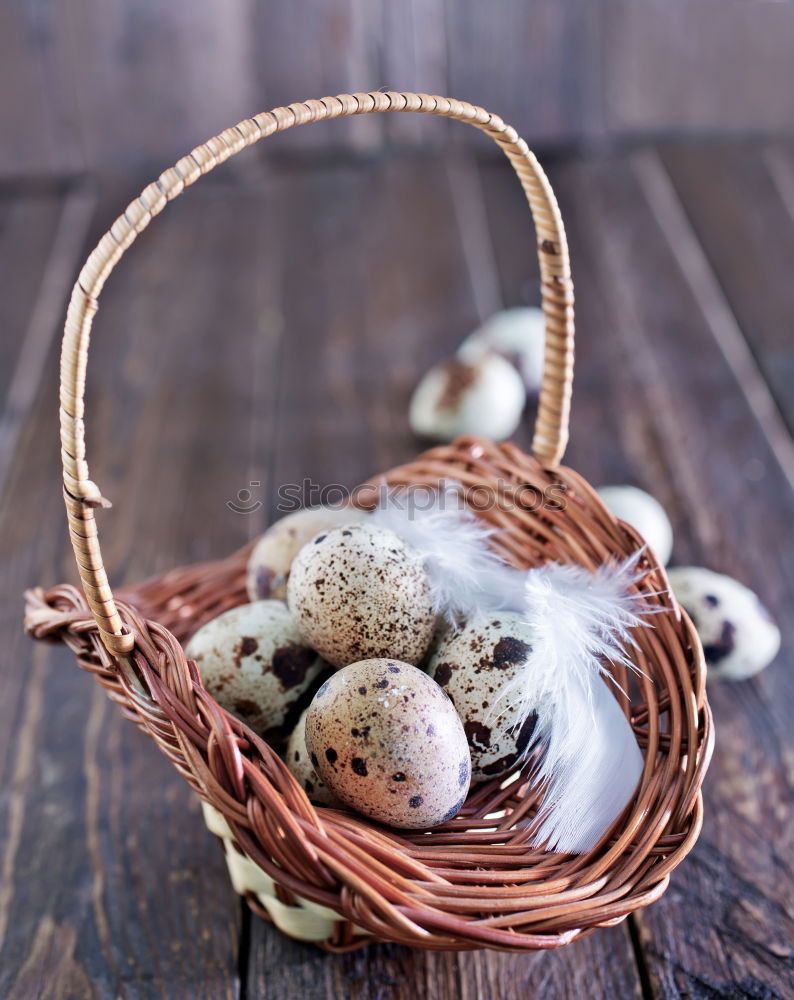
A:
{"x":330,"y":876}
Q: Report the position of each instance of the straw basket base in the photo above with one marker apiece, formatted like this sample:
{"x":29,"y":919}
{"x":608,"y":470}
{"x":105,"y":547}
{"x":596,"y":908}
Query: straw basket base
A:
{"x":294,"y":915}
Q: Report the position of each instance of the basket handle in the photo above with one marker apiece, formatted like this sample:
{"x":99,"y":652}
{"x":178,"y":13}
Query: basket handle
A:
{"x":551,"y":425}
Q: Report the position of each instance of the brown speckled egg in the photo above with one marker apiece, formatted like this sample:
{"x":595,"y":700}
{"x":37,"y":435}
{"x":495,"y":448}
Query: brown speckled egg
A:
{"x":271,"y":558}
{"x":387,"y":741}
{"x":254,"y":663}
{"x":472,"y":664}
{"x":358,"y":592}
{"x":297,"y":760}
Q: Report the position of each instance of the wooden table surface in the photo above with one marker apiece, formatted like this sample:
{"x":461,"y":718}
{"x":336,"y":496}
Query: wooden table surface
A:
{"x":268,"y":329}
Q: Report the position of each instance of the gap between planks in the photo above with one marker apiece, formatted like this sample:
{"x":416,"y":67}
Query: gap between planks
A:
{"x":468,"y":203}
{"x":23,"y":767}
{"x":698,"y":273}
{"x":45,"y":321}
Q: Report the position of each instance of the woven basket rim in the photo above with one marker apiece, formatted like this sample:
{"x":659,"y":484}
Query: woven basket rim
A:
{"x":459,"y":886}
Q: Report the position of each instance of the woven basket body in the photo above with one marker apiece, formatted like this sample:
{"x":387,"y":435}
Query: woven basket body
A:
{"x":330,"y":876}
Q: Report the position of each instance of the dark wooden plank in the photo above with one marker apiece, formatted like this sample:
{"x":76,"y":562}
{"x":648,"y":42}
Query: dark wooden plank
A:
{"x":683,"y":67}
{"x":537,"y":65}
{"x":510,"y":236}
{"x":107,"y":85}
{"x":27,"y":226}
{"x":414,"y":57}
{"x":723,"y":927}
{"x":39,"y":917}
{"x":473,"y":233}
{"x":111,"y":86}
{"x":209,"y":293}
{"x":312,"y":49}
{"x":379,"y":286}
{"x":593,"y":967}
{"x":151,"y":81}
{"x":39,"y":118}
{"x":40,"y":238}
{"x":101,"y":86}
{"x":735,"y":199}
{"x":111,"y":884}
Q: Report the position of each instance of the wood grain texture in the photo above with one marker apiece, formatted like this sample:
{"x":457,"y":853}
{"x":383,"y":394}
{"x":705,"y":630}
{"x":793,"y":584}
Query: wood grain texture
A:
{"x":536,"y":64}
{"x":597,"y":966}
{"x":413,"y":55}
{"x":109,"y":85}
{"x":39,"y":114}
{"x":28,"y":224}
{"x":749,"y":251}
{"x":693,"y":66}
{"x":153,"y":80}
{"x":309,"y":49}
{"x":40,"y":238}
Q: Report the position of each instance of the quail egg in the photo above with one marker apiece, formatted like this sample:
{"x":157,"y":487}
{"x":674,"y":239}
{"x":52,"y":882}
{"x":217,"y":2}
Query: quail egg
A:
{"x":297,"y":760}
{"x":360,"y":591}
{"x":254,"y":663}
{"x":644,"y":513}
{"x":518,"y":335}
{"x":271,"y":558}
{"x":387,"y":741}
{"x":484,"y":396}
{"x":738,"y":635}
{"x":472,"y":664}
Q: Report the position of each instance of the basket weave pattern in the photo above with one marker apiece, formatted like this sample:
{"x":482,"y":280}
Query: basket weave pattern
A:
{"x":329,"y":875}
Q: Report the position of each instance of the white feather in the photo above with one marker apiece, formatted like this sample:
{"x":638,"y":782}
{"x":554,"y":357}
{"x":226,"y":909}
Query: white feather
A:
{"x":588,"y":762}
{"x":452,"y":543}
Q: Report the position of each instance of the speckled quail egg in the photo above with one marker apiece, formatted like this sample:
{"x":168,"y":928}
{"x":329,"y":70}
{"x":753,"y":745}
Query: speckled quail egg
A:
{"x":360,"y":591}
{"x":271,"y":558}
{"x":472,"y":664}
{"x":387,"y":741}
{"x":644,"y":513}
{"x":297,"y":760}
{"x":485,"y":396}
{"x":518,"y":335}
{"x":738,"y":635}
{"x":254,"y":663}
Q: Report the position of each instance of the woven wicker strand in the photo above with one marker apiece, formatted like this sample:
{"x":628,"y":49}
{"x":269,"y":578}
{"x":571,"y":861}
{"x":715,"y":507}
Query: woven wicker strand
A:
{"x":328,"y":875}
{"x":474,"y":882}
